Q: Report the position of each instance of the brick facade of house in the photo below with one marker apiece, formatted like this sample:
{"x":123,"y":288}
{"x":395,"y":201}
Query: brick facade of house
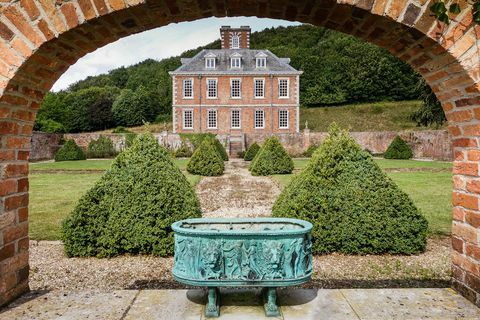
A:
{"x":276,"y":110}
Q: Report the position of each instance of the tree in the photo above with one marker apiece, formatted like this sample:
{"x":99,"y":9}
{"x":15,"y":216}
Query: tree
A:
{"x":131,"y":208}
{"x":271,"y":159}
{"x":398,"y":149}
{"x":355,"y":208}
{"x":431,"y":112}
{"x":133,"y":108}
{"x":206,"y":160}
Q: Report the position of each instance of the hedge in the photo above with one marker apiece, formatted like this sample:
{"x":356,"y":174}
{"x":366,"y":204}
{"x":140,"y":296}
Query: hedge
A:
{"x":184,"y":151}
{"x":131,"y":208}
{"x":70,"y":151}
{"x":271,"y":159}
{"x":101,"y":148}
{"x":251,"y":152}
{"x":398,"y":149}
{"x":206,"y":160}
{"x":221,"y":149}
{"x":354,"y":207}
{"x":310,"y":150}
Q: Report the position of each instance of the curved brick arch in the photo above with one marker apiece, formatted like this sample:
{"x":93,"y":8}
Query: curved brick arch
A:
{"x":40,"y":39}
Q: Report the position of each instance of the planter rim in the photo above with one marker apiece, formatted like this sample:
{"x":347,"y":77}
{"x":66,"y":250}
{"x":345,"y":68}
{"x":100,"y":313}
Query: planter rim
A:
{"x":305,"y":226}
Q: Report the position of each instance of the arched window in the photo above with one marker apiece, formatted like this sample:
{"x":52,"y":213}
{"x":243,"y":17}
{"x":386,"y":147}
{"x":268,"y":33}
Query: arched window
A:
{"x":235,"y":41}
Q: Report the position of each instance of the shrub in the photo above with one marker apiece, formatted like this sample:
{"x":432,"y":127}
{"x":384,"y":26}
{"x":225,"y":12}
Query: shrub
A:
{"x":221,"y":149}
{"x":271,"y":159}
{"x":251,"y":152}
{"x":352,"y":204}
{"x":398,"y":149}
{"x":129,"y":138}
{"x":206,"y":161}
{"x":70,"y":151}
{"x":101,"y":148}
{"x":131,"y":208}
{"x":120,"y":129}
{"x":184,"y":151}
{"x":310,"y":150}
{"x":196,"y":139}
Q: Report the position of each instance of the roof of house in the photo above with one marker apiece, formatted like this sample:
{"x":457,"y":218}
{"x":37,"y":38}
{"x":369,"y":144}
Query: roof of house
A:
{"x":196,"y":65}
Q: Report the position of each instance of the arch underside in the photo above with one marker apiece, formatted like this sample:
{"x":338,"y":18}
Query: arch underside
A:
{"x":40,"y":39}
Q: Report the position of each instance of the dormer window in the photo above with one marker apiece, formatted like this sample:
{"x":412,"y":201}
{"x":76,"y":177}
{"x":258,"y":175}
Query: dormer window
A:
{"x":210,"y":61}
{"x":235,"y":60}
{"x":261,"y":60}
{"x":235,"y":41}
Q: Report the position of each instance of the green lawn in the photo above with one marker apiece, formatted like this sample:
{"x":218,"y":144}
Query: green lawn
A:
{"x":430,"y":189}
{"x":378,"y":116}
{"x":55,"y":191}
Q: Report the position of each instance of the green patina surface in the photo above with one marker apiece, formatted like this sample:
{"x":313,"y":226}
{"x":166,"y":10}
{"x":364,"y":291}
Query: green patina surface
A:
{"x":259,"y":252}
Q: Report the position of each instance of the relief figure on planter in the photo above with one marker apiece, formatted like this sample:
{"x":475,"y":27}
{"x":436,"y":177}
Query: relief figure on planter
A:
{"x":272,"y":252}
{"x":250,"y":269}
{"x":212,"y":260}
{"x":232,"y":253}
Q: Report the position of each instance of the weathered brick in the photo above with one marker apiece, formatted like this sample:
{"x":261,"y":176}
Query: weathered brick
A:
{"x":458,"y":214}
{"x":473,"y":186}
{"x":466,"y":168}
{"x":23,"y":155}
{"x":465,"y":200}
{"x":30,"y":8}
{"x":473,"y":251}
{"x":473,"y":218}
{"x":5,"y":32}
{"x":22,"y":185}
{"x":45,"y":29}
{"x":7,"y":251}
{"x":473,"y":155}
{"x":22,"y":25}
{"x":68,"y":10}
{"x":23,"y":214}
{"x":465,"y":232}
{"x":15,"y":232}
{"x":14,"y":202}
{"x":457,"y":244}
{"x":13,"y":170}
{"x":7,"y":187}
{"x":23,"y":245}
{"x":464,"y":142}
{"x":102,"y":8}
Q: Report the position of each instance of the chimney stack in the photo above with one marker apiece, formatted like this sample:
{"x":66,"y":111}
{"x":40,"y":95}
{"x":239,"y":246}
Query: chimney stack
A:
{"x":235,"y":38}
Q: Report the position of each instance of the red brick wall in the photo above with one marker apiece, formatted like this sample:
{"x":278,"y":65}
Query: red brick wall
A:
{"x":40,"y":39}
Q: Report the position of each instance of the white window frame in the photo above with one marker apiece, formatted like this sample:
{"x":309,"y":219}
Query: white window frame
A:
{"x":255,"y":88}
{"x":209,"y":63}
{"x":239,"y":118}
{"x":209,"y":112}
{"x":280,"y":117}
{"x":239,"y":89}
{"x":216,"y":88}
{"x":288,"y":88}
{"x":183,"y":88}
{"x":235,"y":63}
{"x":235,"y":41}
{"x":184,"y":111}
{"x":261,"y":62}
{"x":255,"y":119}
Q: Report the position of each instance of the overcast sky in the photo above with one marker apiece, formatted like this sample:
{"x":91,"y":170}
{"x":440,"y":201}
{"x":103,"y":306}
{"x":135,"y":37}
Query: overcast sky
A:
{"x":157,"y":44}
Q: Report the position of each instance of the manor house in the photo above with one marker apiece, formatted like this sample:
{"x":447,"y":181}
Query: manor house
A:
{"x":235,"y":90}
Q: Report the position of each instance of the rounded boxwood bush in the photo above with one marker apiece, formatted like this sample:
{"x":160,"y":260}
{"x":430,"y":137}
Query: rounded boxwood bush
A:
{"x":70,"y":151}
{"x":251,"y":152}
{"x":398,"y":149}
{"x":271,"y":159}
{"x":131,"y":208}
{"x":354,"y":206}
{"x":184,"y":151}
{"x":221,"y":149}
{"x":101,"y":148}
{"x":206,"y":160}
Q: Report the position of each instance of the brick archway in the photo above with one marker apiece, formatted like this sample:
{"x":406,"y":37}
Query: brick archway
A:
{"x":40,"y":39}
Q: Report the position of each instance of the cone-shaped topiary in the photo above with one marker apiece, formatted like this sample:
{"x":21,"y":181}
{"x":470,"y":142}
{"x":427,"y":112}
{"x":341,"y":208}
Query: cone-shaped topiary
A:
{"x":221,"y":149}
{"x":206,"y":160}
{"x":70,"y":151}
{"x":251,"y":152}
{"x":398,"y":149}
{"x":271,"y":159}
{"x":131,"y":208}
{"x":353,"y":205}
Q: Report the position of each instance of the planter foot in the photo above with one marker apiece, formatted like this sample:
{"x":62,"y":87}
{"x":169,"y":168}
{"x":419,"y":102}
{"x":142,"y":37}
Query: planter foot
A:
{"x":270,"y":302}
{"x":212,"y":309}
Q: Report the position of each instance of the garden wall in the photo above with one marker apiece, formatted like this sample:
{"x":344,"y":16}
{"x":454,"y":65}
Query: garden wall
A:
{"x":432,"y":144}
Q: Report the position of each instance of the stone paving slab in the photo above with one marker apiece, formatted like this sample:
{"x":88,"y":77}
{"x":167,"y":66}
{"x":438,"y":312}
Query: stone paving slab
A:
{"x":244,"y":304}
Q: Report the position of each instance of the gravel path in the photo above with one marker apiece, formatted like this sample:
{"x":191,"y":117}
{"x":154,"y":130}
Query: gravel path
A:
{"x":51,"y":270}
{"x":237,"y":193}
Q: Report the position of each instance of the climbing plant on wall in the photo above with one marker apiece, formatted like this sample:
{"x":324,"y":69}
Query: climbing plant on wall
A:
{"x":442,"y":11}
